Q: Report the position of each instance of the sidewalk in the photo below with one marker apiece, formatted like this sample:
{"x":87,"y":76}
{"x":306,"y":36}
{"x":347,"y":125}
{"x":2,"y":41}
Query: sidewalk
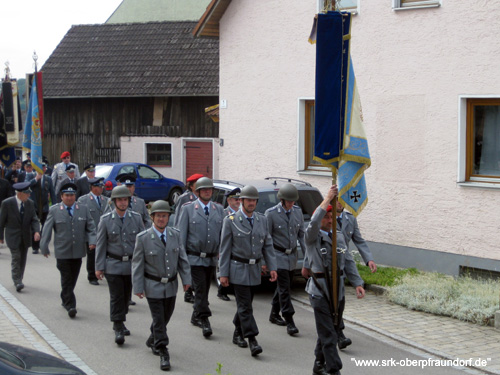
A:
{"x":440,"y":336}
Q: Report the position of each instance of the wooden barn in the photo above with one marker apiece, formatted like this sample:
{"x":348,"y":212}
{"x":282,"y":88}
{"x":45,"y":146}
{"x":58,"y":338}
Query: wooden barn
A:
{"x":132,"y":92}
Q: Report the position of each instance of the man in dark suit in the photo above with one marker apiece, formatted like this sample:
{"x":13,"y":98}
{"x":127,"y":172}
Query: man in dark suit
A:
{"x":18,"y":218}
{"x":82,"y":184}
{"x":43,"y":182}
{"x":27,"y":174}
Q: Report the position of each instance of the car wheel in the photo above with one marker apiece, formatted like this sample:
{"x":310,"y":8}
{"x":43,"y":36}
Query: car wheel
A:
{"x":175,"y":193}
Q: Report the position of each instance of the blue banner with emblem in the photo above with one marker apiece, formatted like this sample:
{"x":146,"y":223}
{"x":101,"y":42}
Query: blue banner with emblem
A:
{"x":32,"y":139}
{"x":340,"y":140}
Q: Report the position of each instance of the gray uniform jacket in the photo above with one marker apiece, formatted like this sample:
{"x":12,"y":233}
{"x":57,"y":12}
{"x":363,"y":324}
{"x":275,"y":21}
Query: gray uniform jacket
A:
{"x":315,"y":242}
{"x":285,"y":232}
{"x":201,"y":233}
{"x":137,"y":205}
{"x":59,"y":173}
{"x":351,"y":232}
{"x":240,"y":239}
{"x":228,"y":211}
{"x":82,"y":186}
{"x":117,"y":238}
{"x":71,"y":234}
{"x":187,"y":196}
{"x":151,"y":256}
{"x":15,"y":230}
{"x":96,"y":211}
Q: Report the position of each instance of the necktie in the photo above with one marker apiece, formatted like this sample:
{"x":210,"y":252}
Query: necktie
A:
{"x":339,"y":222}
{"x":122,"y":218}
{"x":330,"y":235}
{"x":250,"y":220}
{"x":98,"y":201}
{"x":69,"y":211}
{"x":21,"y":211}
{"x":206,"y":210}
{"x":288,"y":214}
{"x":162,"y":238}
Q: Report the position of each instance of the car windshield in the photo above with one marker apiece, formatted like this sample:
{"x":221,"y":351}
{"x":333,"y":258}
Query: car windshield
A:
{"x":308,"y":201}
{"x":11,"y":359}
{"x":103,"y":170}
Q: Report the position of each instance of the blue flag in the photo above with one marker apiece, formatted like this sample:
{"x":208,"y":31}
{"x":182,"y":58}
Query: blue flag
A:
{"x":32,"y":139}
{"x":340,"y":140}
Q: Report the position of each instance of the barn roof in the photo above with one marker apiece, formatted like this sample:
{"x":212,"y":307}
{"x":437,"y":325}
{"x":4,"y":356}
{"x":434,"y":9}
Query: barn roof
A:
{"x":135,"y":59}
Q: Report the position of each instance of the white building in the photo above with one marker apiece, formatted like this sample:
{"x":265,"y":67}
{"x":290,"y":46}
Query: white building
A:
{"x":428,"y":73}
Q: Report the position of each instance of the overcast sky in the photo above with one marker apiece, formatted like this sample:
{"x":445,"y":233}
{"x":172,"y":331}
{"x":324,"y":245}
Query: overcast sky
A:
{"x":39,"y":25}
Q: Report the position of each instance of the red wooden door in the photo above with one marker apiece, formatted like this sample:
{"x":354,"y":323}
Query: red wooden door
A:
{"x":199,"y":158}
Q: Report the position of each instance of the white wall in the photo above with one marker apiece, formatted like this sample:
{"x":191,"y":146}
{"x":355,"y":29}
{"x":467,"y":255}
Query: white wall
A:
{"x":411,"y":66}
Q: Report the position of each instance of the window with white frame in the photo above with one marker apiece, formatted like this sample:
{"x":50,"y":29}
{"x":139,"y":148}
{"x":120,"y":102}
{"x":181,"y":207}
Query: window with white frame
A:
{"x":344,"y":5}
{"x":482,"y":161}
{"x":411,"y":4}
{"x":159,"y":154}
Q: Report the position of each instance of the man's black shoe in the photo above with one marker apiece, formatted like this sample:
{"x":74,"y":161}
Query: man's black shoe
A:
{"x":150,"y":344}
{"x":131,"y":303}
{"x":19,"y":287}
{"x":238,"y":339}
{"x":72,"y":312}
{"x":224,"y":297}
{"x":35,"y":251}
{"x":343,"y":342}
{"x":164,"y":360}
{"x":93,"y":282}
{"x":206,"y":328}
{"x":119,"y":337}
{"x":275,"y":318}
{"x":319,"y":368}
{"x":291,"y":329}
{"x":189,"y":297}
{"x":195,"y":320}
{"x":255,"y":348}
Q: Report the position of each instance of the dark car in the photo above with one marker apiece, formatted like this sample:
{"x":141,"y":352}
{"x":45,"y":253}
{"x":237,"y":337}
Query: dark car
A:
{"x":150,"y":184}
{"x":18,"y":360}
{"x":309,"y":198}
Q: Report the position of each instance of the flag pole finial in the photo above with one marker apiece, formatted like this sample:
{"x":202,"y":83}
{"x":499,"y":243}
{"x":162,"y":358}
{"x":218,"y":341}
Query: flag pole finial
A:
{"x":7,"y":71}
{"x":35,"y":59}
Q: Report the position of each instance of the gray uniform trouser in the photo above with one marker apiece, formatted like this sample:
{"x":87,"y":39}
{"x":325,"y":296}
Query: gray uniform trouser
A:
{"x":326,"y":345}
{"x":18,"y":264}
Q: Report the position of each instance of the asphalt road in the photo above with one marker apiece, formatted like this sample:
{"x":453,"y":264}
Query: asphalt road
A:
{"x":91,"y":337}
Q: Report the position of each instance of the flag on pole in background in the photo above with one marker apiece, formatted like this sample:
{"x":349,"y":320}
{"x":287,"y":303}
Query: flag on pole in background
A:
{"x":7,"y":152}
{"x":32,"y":140}
{"x":340,"y":140}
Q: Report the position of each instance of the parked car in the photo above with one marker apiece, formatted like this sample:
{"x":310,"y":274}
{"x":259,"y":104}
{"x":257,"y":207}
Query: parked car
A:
{"x":18,"y":360}
{"x":150,"y":185}
{"x":309,"y":198}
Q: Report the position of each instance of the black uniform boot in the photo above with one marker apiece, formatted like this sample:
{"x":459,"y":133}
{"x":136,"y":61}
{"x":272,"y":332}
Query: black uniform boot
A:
{"x":290,"y":326}
{"x":275,"y":318}
{"x":238,"y":339}
{"x":189,"y":296}
{"x":150,"y":344}
{"x":343,"y":341}
{"x":164,"y":360}
{"x":206,"y":328}
{"x":319,"y":368}
{"x":119,"y":334}
{"x":255,"y":348}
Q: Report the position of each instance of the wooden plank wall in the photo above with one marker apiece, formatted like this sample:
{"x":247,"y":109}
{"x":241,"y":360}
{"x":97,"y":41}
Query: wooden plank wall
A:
{"x":90,"y":129}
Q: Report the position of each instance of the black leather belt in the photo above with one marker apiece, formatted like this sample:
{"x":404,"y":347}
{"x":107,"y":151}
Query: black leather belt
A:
{"x":201,"y":255}
{"x":163,"y":280}
{"x":124,"y":258}
{"x":321,"y":275}
{"x":243,"y":260}
{"x":283,"y":250}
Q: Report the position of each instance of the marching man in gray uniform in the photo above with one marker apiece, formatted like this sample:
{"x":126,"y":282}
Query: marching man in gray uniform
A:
{"x":245,"y":241}
{"x":158,"y":257}
{"x":286,"y":225}
{"x":233,"y":205}
{"x":200,"y":224}
{"x":97,"y":204}
{"x":348,"y":224}
{"x":18,"y":219}
{"x":317,"y":268}
{"x":136,"y":204}
{"x":116,"y":234}
{"x":74,"y":228}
